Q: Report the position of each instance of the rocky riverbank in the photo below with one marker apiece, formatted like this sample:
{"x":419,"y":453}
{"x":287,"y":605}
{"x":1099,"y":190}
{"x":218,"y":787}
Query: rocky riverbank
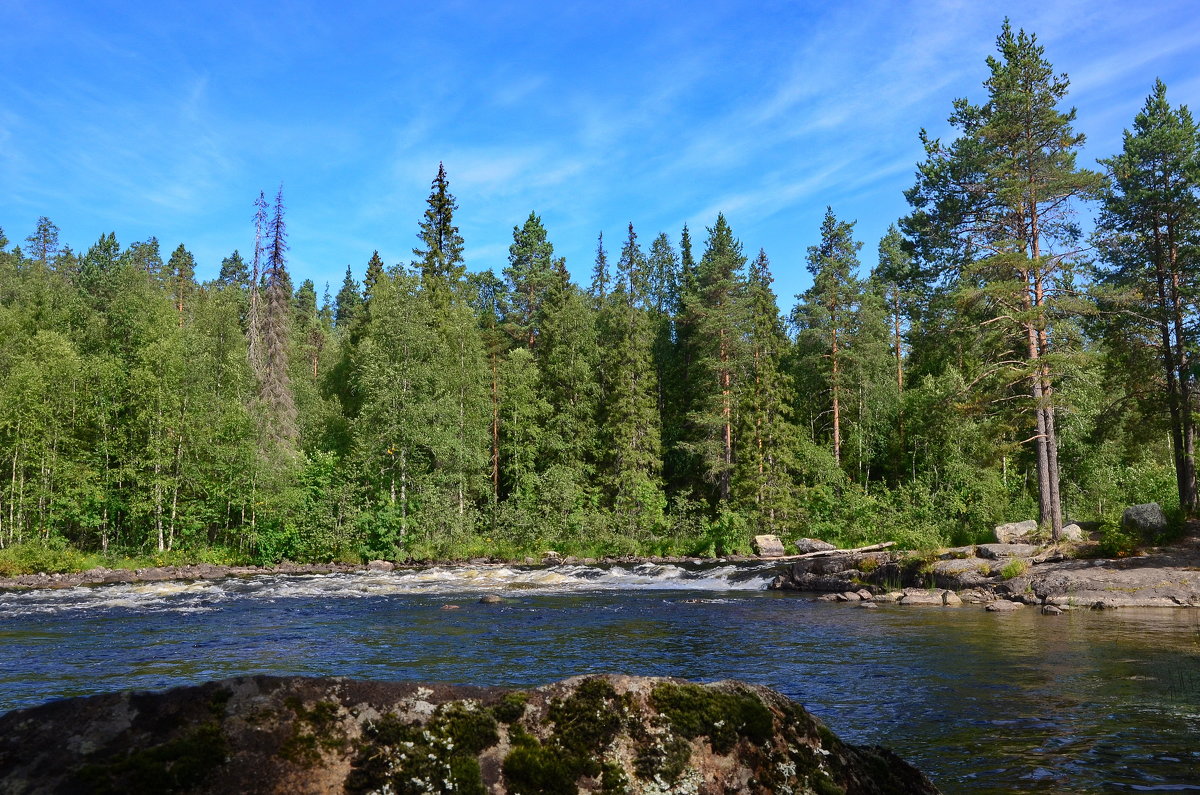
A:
{"x":1016,"y":573}
{"x":296,"y":735}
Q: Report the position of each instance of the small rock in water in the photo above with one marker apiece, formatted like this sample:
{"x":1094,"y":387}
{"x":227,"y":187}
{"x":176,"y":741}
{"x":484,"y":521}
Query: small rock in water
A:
{"x":450,"y":607}
{"x":920,"y":596}
{"x":850,"y":596}
{"x":951,"y":599}
{"x":490,"y":599}
{"x":871,"y":605}
{"x":864,"y":594}
{"x":1003,"y":606}
{"x":380,"y":565}
{"x":1051,"y":610}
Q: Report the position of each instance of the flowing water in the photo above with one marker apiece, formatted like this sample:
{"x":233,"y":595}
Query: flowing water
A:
{"x":983,"y":702}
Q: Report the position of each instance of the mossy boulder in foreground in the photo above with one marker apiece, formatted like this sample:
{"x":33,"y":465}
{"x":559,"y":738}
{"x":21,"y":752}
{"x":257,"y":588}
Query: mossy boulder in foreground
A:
{"x":607,"y":734}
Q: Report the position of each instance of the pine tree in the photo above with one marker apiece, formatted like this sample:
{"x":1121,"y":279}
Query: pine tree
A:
{"x":182,"y":268}
{"x":43,"y":243}
{"x":145,"y":257}
{"x":898,"y":277}
{"x":233,"y":271}
{"x":1001,"y":199}
{"x":1149,"y":222}
{"x":489,"y":299}
{"x":826,"y":310}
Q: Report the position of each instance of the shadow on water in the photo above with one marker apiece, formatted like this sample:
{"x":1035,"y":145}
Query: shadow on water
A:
{"x":1020,"y":702}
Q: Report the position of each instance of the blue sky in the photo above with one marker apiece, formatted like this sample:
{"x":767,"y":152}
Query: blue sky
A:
{"x":167,"y":118}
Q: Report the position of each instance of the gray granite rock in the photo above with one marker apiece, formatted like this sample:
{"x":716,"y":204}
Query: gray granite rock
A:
{"x":1015,"y":531}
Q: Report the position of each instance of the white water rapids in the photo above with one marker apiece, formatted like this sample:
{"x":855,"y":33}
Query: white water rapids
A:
{"x":204,"y":595}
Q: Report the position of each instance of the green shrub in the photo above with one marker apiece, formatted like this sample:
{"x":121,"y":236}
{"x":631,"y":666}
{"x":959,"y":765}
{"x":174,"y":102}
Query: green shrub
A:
{"x":1014,"y":568}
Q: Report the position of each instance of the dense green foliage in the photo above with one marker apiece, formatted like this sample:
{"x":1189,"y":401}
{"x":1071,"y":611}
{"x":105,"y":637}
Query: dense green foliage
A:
{"x":986,"y":368}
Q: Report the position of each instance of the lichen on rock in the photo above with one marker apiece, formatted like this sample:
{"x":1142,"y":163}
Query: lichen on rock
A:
{"x":604,"y":734}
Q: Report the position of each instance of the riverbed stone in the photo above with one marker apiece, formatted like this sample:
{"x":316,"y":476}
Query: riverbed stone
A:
{"x":806,"y":545}
{"x":1051,"y":610}
{"x":921,"y":596}
{"x":951,"y":599}
{"x":1002,"y":606}
{"x":868,"y":604}
{"x":1015,"y":531}
{"x":490,"y":599}
{"x":381,"y":565}
{"x":997,"y":551}
{"x":1147,"y":519}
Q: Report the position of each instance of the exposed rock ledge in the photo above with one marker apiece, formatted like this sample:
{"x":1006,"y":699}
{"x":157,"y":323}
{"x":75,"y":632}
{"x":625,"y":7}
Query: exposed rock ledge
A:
{"x":296,"y":735}
{"x":1166,"y":577}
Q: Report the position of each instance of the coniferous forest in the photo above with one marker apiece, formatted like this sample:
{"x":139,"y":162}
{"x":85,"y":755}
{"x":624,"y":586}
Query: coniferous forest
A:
{"x":1020,"y":345}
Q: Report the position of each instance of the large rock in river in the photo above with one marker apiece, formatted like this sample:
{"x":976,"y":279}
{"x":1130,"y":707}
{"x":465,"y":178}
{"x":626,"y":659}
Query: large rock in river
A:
{"x":295,"y":735}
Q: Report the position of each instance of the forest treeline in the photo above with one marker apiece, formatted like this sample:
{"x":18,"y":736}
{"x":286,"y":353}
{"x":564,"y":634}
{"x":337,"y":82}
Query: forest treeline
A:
{"x":1020,"y":345}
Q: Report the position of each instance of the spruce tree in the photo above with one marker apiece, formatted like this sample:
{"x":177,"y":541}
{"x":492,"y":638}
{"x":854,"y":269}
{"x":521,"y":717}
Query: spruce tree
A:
{"x":762,"y":475}
{"x":275,"y":385}
{"x":349,"y":302}
{"x":631,"y":465}
{"x":716,"y":317}
{"x":440,"y":254}
{"x":373,"y":275}
{"x":529,"y":273}
{"x":254,"y":320}
{"x":600,"y":274}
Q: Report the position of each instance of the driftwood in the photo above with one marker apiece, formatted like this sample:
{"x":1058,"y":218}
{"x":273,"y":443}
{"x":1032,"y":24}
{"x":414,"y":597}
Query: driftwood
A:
{"x":831,"y":552}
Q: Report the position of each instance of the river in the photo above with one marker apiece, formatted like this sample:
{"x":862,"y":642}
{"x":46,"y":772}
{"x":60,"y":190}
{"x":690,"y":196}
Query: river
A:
{"x":982,"y":702}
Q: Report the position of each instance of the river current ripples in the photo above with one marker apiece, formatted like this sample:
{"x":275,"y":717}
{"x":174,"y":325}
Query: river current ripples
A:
{"x":983,"y":702}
